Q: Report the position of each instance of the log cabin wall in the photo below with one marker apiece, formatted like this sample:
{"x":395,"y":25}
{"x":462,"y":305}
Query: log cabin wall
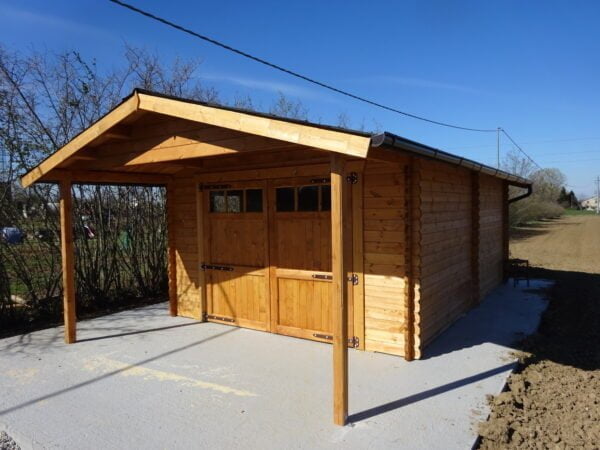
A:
{"x":189,"y":295}
{"x":490,"y":242}
{"x":446,"y":261}
{"x":384,"y":234}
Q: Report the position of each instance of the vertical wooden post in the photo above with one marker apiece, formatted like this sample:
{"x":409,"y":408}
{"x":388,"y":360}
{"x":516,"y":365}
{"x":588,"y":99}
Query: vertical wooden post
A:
{"x":339,"y":298}
{"x":68,"y":266}
{"x":171,"y":255}
{"x":475,"y":238}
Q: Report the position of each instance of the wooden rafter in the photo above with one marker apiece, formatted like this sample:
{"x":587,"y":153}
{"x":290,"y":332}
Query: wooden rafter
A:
{"x":120,"y":113}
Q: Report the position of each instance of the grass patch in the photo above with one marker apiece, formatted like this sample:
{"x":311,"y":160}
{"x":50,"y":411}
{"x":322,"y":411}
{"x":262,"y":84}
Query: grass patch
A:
{"x":579,"y":212}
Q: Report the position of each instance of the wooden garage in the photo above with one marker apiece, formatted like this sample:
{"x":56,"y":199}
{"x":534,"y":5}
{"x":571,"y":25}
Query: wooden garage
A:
{"x":367,"y":241}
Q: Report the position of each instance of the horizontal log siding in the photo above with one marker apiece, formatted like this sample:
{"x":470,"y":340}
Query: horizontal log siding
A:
{"x":446,"y":275}
{"x":490,"y":247}
{"x":186,"y":248}
{"x":384,"y":264}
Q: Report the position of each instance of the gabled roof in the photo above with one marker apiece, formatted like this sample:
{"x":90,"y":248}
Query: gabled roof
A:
{"x":349,"y":142}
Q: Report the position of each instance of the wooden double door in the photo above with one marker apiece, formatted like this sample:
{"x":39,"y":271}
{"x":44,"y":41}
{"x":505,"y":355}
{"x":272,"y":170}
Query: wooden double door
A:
{"x":268,"y":255}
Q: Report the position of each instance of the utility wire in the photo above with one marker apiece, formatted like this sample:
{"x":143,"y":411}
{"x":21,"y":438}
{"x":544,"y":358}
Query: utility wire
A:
{"x":292,"y":73}
{"x":520,"y":149}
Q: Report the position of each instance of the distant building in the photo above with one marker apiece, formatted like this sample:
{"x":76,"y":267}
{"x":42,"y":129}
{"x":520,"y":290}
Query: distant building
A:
{"x":590,"y":204}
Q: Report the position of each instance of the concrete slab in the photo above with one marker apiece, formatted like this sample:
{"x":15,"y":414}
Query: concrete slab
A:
{"x":143,"y":379}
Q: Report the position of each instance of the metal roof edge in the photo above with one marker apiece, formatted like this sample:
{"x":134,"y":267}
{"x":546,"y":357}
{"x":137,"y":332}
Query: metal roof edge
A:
{"x":398,"y":142}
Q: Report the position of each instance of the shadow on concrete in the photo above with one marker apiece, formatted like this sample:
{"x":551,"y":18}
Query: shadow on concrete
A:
{"x":387,"y":407}
{"x":112,"y":373}
{"x":130,"y":333}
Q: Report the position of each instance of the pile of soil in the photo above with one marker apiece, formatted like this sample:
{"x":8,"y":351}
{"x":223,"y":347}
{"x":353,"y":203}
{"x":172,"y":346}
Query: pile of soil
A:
{"x":553,"y":399}
{"x":7,"y":443}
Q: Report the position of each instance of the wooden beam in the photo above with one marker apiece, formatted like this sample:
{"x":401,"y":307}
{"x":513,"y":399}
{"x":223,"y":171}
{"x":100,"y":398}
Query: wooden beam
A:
{"x":123,"y":111}
{"x":176,"y":152}
{"x":339,"y":285}
{"x":358,"y":289}
{"x":475,"y":237}
{"x":297,"y":133}
{"x":171,"y":249}
{"x":200,"y":232}
{"x":106,"y":177}
{"x":68,"y":266}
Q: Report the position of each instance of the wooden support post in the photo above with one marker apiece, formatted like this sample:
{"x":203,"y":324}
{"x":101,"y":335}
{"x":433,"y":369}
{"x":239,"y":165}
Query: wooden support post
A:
{"x":68,"y":266}
{"x":171,"y":255}
{"x":475,"y":238}
{"x":339,"y":297}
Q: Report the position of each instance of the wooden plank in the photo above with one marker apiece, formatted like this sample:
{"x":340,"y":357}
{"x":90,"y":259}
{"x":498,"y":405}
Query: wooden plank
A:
{"x":339,"y":190}
{"x":200,"y":212}
{"x":106,"y":177}
{"x":409,"y":351}
{"x":171,"y":250}
{"x":335,"y":141}
{"x":120,"y":113}
{"x":68,"y":265}
{"x":358,"y":246}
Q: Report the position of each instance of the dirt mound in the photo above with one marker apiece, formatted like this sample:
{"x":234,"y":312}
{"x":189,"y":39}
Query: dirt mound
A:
{"x":553,"y":401}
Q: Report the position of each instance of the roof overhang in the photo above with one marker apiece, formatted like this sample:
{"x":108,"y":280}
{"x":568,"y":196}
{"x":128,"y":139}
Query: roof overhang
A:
{"x":259,"y":131}
{"x":261,"y":125}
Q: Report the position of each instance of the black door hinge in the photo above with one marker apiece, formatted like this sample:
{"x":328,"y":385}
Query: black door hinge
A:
{"x":352,"y":342}
{"x":215,"y":267}
{"x":354,"y":279}
{"x":219,"y":318}
{"x":352,"y":178}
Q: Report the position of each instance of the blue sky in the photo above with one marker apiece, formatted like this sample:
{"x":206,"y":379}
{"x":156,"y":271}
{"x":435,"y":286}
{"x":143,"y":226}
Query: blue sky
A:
{"x":531,"y":67}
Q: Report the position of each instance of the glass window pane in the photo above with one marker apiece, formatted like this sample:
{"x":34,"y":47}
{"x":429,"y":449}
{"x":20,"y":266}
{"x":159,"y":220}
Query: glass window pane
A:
{"x":285,"y":198}
{"x":326,"y":197}
{"x":235,"y":201}
{"x":254,"y":200}
{"x":308,"y":198}
{"x":217,"y":201}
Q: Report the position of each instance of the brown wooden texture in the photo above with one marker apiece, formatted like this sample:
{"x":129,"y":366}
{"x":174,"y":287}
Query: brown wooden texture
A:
{"x":505,"y":230}
{"x":384,"y":232}
{"x":68,"y":264}
{"x":187,"y":263}
{"x":339,"y":291}
{"x":358,"y":289}
{"x":300,"y":248}
{"x":446,"y":277}
{"x":475,"y":237}
{"x":416,"y":241}
{"x":490,"y":234}
{"x":171,"y":249}
{"x":237,"y":241}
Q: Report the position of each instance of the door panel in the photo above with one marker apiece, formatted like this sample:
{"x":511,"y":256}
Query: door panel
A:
{"x":300,"y":253}
{"x":237,"y":254}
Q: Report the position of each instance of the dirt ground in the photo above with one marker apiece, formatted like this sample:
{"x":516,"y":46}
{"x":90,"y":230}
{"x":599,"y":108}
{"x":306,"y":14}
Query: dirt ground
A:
{"x":553,"y":399}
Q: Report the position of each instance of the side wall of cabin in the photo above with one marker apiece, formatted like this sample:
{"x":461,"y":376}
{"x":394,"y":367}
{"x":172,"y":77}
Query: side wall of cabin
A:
{"x":491,"y":264}
{"x":446,"y":268}
{"x":384,"y":243}
{"x":461,"y":245}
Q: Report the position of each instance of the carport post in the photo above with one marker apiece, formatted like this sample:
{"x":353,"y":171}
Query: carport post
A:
{"x":68,"y":266}
{"x":339,"y":297}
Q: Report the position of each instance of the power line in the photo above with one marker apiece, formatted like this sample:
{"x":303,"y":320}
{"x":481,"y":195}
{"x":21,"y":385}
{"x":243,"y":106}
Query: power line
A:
{"x":520,"y":149}
{"x":291,"y":72}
